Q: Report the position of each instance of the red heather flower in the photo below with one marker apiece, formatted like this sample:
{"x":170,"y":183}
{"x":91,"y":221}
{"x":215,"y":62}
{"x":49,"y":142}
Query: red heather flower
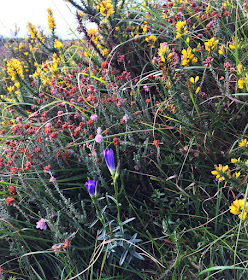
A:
{"x":116,"y":141}
{"x":105,"y":64}
{"x":89,"y":122}
{"x":155,"y":143}
{"x":208,"y":61}
{"x":14,"y":170}
{"x":12,"y":190}
{"x":28,"y":165}
{"x":47,"y":169}
{"x":9,"y":200}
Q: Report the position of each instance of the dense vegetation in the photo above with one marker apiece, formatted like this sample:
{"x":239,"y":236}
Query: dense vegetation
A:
{"x":124,"y":153}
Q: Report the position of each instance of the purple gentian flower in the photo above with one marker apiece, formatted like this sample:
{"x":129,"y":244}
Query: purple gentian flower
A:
{"x":41,"y":224}
{"x":109,"y":158}
{"x":91,"y":187}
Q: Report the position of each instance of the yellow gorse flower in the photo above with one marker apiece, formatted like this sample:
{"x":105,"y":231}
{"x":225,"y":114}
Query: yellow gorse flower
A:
{"x":104,"y":52}
{"x":243,"y":143}
{"x":221,"y":171}
{"x":15,"y":69}
{"x":106,"y":8}
{"x":194,"y":80}
{"x":237,"y":206}
{"x":57,"y":44}
{"x":151,"y":40}
{"x":51,"y":21}
{"x":239,"y":68}
{"x":32,"y":30}
{"x":234,"y":160}
{"x":222,"y":49}
{"x":162,"y":51}
{"x":188,"y":56}
{"x":92,"y":32}
{"x":181,"y":29}
{"x":211,"y":44}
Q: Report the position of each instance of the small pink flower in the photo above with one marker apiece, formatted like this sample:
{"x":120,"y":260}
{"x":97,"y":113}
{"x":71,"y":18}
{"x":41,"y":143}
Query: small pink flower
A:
{"x":41,"y":224}
{"x":56,"y":248}
{"x":146,"y":88}
{"x":125,"y":118}
{"x":52,"y":179}
{"x":98,"y":138}
{"x":93,"y":117}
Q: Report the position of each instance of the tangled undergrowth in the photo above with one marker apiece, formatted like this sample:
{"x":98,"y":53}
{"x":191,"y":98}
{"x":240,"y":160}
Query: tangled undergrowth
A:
{"x":124,"y":152}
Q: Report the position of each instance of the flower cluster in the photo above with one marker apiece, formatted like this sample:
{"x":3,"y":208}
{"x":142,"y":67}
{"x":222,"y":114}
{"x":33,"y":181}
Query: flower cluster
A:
{"x":237,"y":207}
{"x":221,"y":172}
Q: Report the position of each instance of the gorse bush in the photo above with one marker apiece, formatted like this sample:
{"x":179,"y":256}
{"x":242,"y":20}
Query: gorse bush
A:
{"x":109,"y":144}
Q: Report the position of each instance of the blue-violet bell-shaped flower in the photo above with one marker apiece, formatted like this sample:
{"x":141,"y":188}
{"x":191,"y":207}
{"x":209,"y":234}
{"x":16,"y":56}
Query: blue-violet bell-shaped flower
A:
{"x":109,"y":158}
{"x":91,"y":187}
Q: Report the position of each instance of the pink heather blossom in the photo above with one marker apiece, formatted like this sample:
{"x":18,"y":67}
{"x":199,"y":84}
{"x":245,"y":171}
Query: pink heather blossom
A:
{"x":41,"y":224}
{"x":52,"y":179}
{"x":125,"y":118}
{"x":56,"y":248}
{"x":98,"y":138}
{"x":93,"y":117}
{"x":146,"y":88}
{"x":99,"y":130}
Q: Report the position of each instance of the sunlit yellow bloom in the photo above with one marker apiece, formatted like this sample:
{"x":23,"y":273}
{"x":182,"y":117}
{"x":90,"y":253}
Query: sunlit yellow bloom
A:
{"x":144,"y":28}
{"x":188,"y":56}
{"x":57,"y":44}
{"x":14,"y":69}
{"x":51,"y":21}
{"x":241,"y":83}
{"x":181,"y":29}
{"x":237,"y":206}
{"x":239,"y":68}
{"x":194,"y":80}
{"x":197,"y":90}
{"x":11,"y":89}
{"x":151,"y":40}
{"x":232,"y":46}
{"x":105,"y":52}
{"x":237,"y":174}
{"x":221,"y":49}
{"x":211,"y":44}
{"x":32,"y":30}
{"x":92,"y":32}
{"x":221,"y":171}
{"x":234,"y":160}
{"x":243,"y":143}
{"x":162,"y":51}
{"x":106,"y":8}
